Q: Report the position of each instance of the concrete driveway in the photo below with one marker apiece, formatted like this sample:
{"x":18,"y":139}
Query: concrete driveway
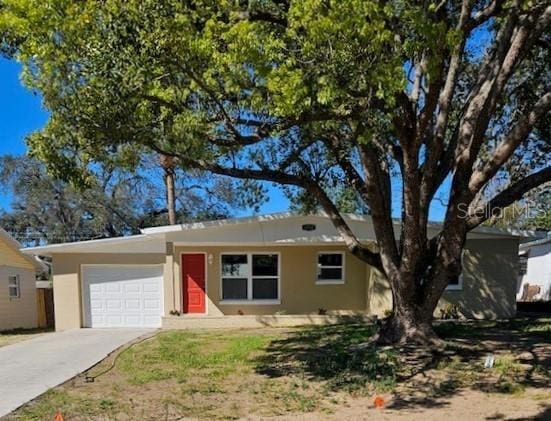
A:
{"x":30,"y":368}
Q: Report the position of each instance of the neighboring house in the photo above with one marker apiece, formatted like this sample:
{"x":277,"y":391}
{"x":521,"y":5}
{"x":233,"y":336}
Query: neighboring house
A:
{"x":535,"y":270}
{"x":266,"y":265}
{"x":17,"y":285}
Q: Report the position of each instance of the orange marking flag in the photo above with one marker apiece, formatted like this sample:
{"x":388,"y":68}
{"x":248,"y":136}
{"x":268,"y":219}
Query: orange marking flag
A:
{"x":379,"y":402}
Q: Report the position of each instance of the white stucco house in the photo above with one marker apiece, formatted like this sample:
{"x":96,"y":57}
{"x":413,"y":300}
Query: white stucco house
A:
{"x":535,"y":270}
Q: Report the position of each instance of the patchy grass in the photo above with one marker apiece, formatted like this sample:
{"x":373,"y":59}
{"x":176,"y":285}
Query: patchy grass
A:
{"x":9,"y":337}
{"x":333,"y":355}
{"x":57,"y":399}
{"x":319,"y":370}
{"x":474,"y":329}
{"x":177,"y":355}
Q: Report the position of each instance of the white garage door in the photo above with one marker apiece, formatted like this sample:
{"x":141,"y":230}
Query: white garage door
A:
{"x":122,"y":296}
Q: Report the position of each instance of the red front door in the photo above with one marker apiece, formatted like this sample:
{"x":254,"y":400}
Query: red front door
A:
{"x":193,"y":282}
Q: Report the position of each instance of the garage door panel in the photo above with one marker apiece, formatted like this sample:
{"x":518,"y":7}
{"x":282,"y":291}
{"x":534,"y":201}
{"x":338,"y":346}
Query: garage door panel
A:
{"x":151,"y":304}
{"x":132,"y":288}
{"x":134,"y":320}
{"x":114,"y":305}
{"x":114,"y":320}
{"x":132,"y":304}
{"x":148,"y":320}
{"x":113,"y":287}
{"x":122,"y":296}
{"x":96,"y":303}
{"x":98,"y":320}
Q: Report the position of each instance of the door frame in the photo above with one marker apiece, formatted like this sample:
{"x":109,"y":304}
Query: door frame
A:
{"x":84,"y":295}
{"x":205,"y":259}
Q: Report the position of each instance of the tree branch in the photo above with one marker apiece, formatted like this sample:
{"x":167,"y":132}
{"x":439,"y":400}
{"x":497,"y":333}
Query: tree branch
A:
{"x":430,"y":177}
{"x":377,"y":183}
{"x":280,"y":177}
{"x":350,"y":239}
{"x":483,"y":15}
{"x":507,"y":197}
{"x":514,"y":138}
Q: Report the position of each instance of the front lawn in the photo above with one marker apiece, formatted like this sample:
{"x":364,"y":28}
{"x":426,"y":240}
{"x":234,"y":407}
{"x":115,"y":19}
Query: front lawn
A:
{"x":321,"y":371}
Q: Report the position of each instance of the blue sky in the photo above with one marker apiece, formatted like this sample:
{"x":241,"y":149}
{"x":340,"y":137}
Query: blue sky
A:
{"x":20,"y":110}
{"x":21,"y":113}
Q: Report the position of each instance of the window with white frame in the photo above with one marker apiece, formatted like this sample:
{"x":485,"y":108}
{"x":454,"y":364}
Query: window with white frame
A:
{"x":14,"y":286}
{"x":330,"y":268}
{"x":456,"y":283}
{"x":250,"y":277}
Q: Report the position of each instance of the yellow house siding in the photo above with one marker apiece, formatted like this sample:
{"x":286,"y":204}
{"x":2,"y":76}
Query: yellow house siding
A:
{"x":11,"y":257}
{"x":18,"y":312}
{"x":299,"y":292}
{"x":489,"y":280}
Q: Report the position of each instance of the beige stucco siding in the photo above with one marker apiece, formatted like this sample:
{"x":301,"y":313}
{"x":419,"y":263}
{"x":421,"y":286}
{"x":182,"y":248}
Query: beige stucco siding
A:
{"x":489,"y":281}
{"x":299,"y":292}
{"x":489,"y":284}
{"x":67,"y":281}
{"x":18,"y":312}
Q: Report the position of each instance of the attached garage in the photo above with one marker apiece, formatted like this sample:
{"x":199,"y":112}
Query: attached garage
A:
{"x":122,"y":295}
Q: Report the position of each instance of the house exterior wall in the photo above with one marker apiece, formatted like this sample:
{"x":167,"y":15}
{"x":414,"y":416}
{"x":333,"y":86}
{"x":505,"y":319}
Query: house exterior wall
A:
{"x":299,"y":293}
{"x":488,"y":286}
{"x":538,"y":271}
{"x":18,"y":312}
{"x":489,"y":283}
{"x":67,"y":281}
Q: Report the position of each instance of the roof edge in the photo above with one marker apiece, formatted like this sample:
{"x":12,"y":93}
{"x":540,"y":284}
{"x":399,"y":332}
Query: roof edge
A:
{"x":52,"y":247}
{"x":510,"y":232}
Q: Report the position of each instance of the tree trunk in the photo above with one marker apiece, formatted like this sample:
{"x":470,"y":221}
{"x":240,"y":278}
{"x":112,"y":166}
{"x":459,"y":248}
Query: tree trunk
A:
{"x":413,"y":309}
{"x":408,"y":324}
{"x":168,"y":165}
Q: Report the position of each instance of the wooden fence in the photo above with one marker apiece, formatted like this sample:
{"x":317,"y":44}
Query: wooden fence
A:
{"x":45,"y":307}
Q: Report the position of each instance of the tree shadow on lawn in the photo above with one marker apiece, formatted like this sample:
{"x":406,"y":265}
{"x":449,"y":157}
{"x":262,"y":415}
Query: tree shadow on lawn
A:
{"x":334,"y":355}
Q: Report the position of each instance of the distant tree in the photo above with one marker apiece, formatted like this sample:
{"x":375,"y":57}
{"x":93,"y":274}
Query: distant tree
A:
{"x":445,"y":95}
{"x":538,"y":215}
{"x":46,"y":210}
{"x":532,"y":213}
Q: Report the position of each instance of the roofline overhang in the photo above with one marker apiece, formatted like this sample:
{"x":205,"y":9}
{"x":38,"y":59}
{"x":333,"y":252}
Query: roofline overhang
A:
{"x":160,"y":232}
{"x":62,"y":247}
{"x":165,"y":229}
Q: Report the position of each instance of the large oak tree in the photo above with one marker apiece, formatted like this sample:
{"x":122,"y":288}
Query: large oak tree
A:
{"x":445,"y":96}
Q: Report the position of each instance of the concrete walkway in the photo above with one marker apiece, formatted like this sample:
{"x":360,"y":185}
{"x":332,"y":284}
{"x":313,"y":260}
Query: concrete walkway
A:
{"x":30,"y":368}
